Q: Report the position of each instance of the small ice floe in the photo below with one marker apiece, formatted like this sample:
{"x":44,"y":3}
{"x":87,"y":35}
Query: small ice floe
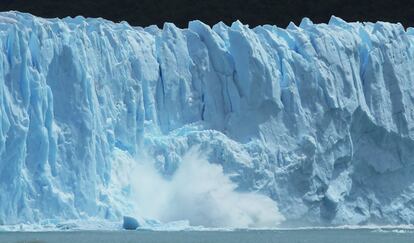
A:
{"x":130,"y":223}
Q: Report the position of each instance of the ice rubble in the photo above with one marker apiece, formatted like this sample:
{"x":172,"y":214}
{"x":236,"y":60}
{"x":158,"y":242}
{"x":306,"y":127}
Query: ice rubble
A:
{"x":319,"y":117}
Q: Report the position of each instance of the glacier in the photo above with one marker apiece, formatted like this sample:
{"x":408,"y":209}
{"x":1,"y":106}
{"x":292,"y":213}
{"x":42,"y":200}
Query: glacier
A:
{"x":317,"y":117}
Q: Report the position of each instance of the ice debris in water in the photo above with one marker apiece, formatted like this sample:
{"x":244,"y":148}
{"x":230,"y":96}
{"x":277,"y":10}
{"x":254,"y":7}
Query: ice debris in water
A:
{"x":130,"y":223}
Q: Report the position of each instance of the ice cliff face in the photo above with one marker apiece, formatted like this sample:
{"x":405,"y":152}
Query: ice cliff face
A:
{"x":318,"y":117}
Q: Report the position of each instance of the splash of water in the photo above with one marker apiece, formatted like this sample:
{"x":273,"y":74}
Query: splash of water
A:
{"x":201,"y":193}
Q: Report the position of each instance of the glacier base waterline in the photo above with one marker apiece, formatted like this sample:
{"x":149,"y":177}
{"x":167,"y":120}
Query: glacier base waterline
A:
{"x":317,"y":117}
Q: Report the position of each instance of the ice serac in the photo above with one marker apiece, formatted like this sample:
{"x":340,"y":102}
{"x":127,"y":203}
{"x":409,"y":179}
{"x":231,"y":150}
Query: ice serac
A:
{"x":319,"y":117}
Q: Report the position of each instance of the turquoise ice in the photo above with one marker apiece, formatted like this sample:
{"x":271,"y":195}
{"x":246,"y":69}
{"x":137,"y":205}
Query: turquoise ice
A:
{"x":318,"y":117}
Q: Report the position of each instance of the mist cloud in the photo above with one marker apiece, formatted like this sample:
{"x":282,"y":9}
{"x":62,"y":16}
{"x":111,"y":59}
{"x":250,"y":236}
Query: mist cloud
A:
{"x":201,"y":193}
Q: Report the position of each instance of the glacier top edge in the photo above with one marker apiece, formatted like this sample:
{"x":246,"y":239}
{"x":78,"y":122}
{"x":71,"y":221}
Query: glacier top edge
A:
{"x":16,"y":17}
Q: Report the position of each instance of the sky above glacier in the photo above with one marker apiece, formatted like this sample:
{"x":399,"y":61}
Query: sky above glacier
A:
{"x":252,"y":12}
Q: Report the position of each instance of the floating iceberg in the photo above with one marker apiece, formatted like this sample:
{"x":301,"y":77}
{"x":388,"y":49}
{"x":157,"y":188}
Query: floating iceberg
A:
{"x":317,"y":117}
{"x":130,"y":223}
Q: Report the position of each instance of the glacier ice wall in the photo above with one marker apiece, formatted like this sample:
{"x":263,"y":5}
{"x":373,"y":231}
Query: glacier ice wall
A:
{"x":318,"y":117}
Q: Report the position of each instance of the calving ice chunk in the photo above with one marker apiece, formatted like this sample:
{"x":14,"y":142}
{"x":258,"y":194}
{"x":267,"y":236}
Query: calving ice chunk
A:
{"x":318,"y":118}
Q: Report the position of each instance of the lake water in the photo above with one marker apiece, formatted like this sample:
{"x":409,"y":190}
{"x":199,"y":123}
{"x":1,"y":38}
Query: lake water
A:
{"x":254,"y":236}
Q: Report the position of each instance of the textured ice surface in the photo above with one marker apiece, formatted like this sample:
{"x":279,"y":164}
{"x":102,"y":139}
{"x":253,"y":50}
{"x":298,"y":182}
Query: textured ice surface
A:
{"x":318,"y":117}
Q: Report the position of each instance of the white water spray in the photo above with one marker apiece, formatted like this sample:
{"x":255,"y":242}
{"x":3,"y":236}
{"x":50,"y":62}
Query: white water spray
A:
{"x":202,"y":194}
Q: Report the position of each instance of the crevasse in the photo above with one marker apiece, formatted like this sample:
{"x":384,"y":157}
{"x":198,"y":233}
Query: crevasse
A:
{"x":319,"y":117}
